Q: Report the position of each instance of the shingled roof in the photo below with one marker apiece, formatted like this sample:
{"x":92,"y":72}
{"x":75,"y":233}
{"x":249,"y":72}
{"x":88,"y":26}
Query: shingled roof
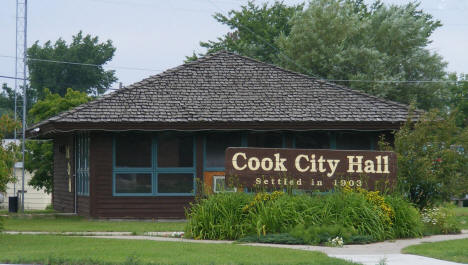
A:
{"x":225,"y":88}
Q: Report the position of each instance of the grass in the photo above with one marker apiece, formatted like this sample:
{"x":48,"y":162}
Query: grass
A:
{"x":79,"y":250}
{"x":462,"y":216}
{"x":56,"y":223}
{"x":47,"y":211}
{"x":451,"y":250}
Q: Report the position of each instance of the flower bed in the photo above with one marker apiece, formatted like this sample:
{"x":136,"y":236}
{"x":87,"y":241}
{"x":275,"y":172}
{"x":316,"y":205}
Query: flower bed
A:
{"x":348,"y":216}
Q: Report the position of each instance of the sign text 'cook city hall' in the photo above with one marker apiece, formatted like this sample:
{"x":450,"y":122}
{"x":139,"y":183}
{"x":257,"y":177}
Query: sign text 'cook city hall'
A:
{"x":309,"y":168}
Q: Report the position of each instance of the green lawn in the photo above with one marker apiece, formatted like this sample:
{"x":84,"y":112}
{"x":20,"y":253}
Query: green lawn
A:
{"x":56,"y":223}
{"x":48,"y":211}
{"x":47,"y":249}
{"x":452,"y":250}
{"x":462,"y":216}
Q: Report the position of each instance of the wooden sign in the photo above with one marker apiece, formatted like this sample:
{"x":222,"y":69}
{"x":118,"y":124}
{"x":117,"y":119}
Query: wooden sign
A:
{"x":309,"y":169}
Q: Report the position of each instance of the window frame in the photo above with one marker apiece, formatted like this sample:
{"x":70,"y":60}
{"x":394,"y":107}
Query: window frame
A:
{"x":81,"y":155}
{"x":154,"y":170}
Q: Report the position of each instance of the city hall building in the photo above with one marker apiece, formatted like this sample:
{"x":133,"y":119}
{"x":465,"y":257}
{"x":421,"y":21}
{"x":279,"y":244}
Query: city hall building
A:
{"x":139,"y":152}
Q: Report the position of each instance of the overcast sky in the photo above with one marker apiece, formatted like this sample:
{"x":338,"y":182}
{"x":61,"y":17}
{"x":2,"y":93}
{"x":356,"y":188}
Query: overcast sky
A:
{"x":157,"y":35}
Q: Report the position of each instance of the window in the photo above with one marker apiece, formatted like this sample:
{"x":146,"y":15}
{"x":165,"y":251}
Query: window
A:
{"x":175,"y":182}
{"x":133,"y":183}
{"x":216,"y":144}
{"x":265,"y":139}
{"x":312,"y":140}
{"x":133,"y":150}
{"x":354,"y":141}
{"x":219,"y":185}
{"x":82,"y":163}
{"x":160,"y":164}
{"x":175,"y":150}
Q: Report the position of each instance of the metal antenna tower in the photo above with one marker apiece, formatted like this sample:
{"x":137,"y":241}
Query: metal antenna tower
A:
{"x":20,"y":73}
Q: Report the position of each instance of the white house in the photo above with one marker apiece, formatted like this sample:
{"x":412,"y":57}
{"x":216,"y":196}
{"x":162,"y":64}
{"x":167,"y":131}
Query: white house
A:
{"x":33,"y":199}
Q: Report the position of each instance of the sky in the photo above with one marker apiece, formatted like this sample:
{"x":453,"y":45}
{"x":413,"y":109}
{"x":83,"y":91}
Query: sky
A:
{"x":154,"y":35}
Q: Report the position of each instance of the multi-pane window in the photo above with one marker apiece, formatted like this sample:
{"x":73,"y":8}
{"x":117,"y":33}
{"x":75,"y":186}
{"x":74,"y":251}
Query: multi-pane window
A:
{"x":312,"y":140}
{"x":354,"y":141}
{"x":82,"y":164}
{"x":265,"y":139}
{"x":154,"y":164}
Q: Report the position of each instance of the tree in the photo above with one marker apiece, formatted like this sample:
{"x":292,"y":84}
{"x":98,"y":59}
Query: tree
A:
{"x":343,"y":40}
{"x":457,"y":100}
{"x":347,"y":40}
{"x":7,"y":152}
{"x":57,"y":77}
{"x":39,"y":154}
{"x":255,"y":28}
{"x":432,"y":159}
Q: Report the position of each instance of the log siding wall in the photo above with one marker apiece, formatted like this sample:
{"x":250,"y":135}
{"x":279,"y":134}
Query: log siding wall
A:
{"x":63,"y":199}
{"x":105,"y":205}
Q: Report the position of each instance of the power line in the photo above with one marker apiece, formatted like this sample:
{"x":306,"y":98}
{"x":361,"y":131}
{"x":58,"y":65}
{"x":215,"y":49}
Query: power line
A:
{"x":86,"y":64}
{"x":341,"y":80}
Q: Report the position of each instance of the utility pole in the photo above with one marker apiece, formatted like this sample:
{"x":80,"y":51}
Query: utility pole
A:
{"x":20,"y":72}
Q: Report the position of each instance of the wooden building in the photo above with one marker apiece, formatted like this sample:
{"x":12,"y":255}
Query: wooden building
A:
{"x":137,"y":152}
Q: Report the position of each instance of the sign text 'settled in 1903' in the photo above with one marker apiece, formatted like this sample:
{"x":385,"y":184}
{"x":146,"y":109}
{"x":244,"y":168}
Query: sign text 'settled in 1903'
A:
{"x":309,"y":169}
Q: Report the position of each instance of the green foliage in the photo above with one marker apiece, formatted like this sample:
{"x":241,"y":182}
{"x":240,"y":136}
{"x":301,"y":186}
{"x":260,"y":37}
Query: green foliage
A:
{"x":283,"y":238}
{"x":458,"y":98}
{"x":7,"y":102}
{"x":220,"y":216}
{"x":254,"y":30}
{"x":357,"y":217}
{"x":432,"y":159}
{"x":8,"y":152}
{"x":58,"y":77}
{"x":347,"y":40}
{"x":39,"y":157}
{"x":39,"y":154}
{"x":321,"y":234}
{"x":407,"y":220}
{"x":343,"y":40}
{"x":440,"y":220}
{"x":53,"y":104}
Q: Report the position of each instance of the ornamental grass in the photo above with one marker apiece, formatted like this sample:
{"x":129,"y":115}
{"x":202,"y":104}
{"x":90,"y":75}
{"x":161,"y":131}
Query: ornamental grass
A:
{"x":355,"y":215}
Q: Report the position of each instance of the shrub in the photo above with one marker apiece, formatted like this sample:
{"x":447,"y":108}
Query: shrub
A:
{"x":357,"y":216}
{"x":407,"y":220}
{"x":432,"y":159}
{"x":321,"y":234}
{"x":283,"y":238}
{"x":440,"y":221}
{"x":220,"y":216}
{"x":276,"y":213}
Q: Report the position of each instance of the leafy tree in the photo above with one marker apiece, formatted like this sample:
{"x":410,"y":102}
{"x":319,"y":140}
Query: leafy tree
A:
{"x":58,"y":76}
{"x":458,"y":98}
{"x":343,"y":40}
{"x":254,"y":30}
{"x":39,"y":154}
{"x":347,"y":40}
{"x":432,"y":159}
{"x":7,"y":153}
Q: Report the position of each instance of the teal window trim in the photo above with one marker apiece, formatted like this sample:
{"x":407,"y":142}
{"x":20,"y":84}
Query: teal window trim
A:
{"x":81,"y":154}
{"x":154,"y":170}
